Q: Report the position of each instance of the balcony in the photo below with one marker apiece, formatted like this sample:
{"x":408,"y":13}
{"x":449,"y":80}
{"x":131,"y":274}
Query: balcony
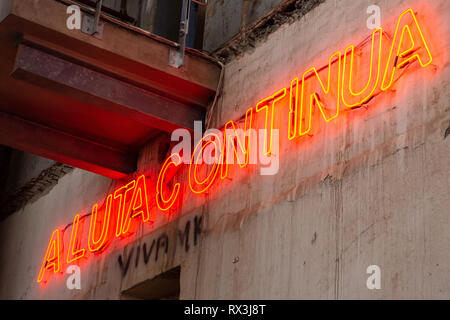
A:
{"x":93,"y":102}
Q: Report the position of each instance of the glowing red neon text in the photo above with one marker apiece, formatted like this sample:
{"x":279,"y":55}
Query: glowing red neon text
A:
{"x":311,"y":99}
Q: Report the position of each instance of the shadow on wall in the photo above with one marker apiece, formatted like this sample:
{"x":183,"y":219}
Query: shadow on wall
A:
{"x":24,"y":177}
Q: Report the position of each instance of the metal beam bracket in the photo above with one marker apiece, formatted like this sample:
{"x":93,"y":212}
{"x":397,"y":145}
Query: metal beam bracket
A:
{"x":176,"y":58}
{"x":91,"y":24}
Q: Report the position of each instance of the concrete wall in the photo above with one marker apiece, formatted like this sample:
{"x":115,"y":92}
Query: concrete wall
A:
{"x":372,"y":187}
{"x":224,"y":19}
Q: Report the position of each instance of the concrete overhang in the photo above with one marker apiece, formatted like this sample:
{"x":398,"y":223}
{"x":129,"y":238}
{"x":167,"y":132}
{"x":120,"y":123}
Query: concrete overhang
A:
{"x":92,"y":103}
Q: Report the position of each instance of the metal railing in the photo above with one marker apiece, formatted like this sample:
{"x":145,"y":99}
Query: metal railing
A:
{"x":93,"y":26}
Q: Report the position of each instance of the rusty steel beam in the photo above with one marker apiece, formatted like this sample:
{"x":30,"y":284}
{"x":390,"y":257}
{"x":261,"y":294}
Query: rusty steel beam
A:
{"x":81,"y":83}
{"x":31,"y":137}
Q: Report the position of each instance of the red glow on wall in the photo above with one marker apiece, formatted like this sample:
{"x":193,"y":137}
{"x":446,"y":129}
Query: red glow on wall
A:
{"x":138,"y":206}
{"x":414,"y":47}
{"x":268,"y":106}
{"x":350,"y":96}
{"x":318,"y":95}
{"x":162,"y":202}
{"x":99,"y":228}
{"x":123,"y":196}
{"x":240,"y":146}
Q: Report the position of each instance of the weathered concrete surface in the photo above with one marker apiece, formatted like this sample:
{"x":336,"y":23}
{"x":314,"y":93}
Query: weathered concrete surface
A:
{"x":372,"y":190}
{"x":224,"y":19}
{"x":25,"y":177}
{"x":372,"y":187}
{"x":20,"y":233}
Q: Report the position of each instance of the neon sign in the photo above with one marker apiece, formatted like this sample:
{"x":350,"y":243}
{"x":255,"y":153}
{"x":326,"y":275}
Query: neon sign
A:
{"x":129,"y":204}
